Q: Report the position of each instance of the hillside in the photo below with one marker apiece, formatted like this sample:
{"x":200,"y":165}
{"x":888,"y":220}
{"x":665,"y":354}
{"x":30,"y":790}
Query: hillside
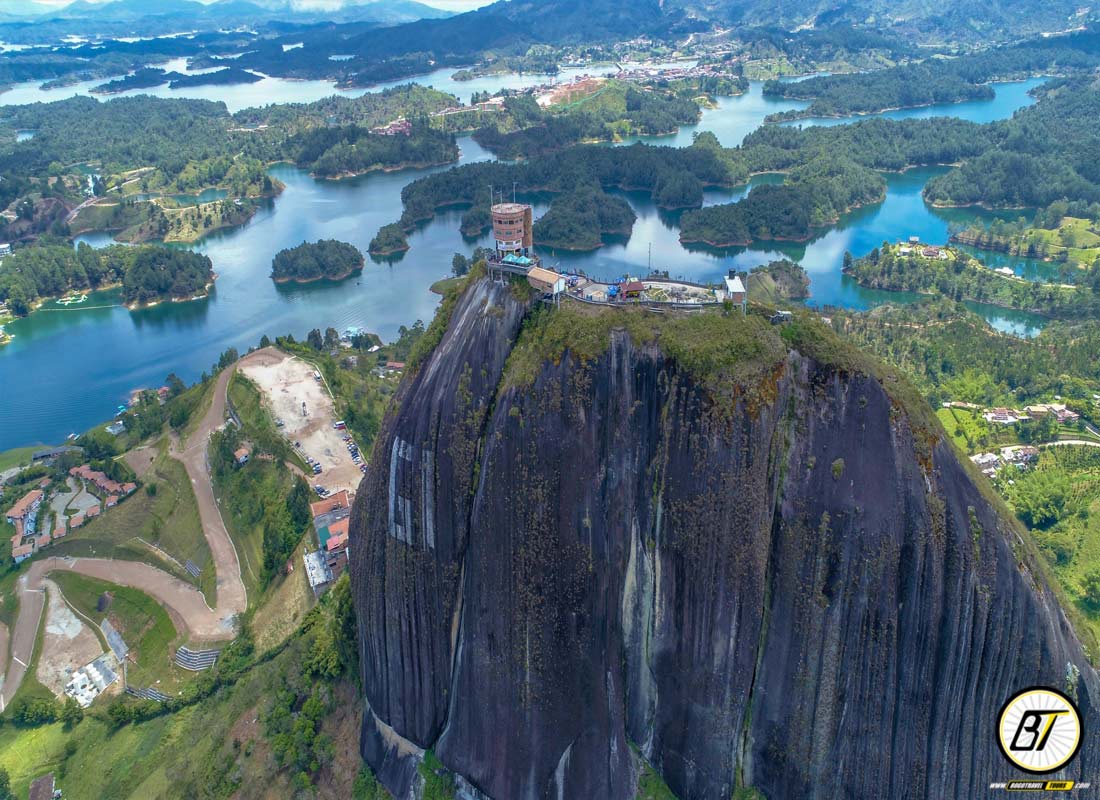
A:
{"x":723,"y":536}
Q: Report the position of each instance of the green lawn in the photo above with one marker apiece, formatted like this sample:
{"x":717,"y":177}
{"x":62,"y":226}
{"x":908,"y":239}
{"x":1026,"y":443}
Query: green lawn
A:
{"x":16,"y":456}
{"x":144,"y":625}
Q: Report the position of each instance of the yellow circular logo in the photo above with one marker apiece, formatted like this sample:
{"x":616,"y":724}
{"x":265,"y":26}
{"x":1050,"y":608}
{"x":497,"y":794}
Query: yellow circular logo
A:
{"x":1039,"y":730}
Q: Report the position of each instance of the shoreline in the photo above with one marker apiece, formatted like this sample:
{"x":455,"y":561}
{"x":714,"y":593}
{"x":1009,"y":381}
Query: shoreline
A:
{"x":302,"y":281}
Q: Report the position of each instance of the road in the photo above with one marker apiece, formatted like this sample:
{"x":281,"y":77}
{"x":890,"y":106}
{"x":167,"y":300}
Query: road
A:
{"x":185,"y":604}
{"x":232,"y":598}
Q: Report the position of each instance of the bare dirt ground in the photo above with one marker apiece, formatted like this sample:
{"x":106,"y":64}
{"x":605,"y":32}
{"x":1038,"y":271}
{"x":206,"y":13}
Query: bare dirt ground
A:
{"x":141,"y":460}
{"x":232,"y":598}
{"x":286,"y":383}
{"x":67,"y":643}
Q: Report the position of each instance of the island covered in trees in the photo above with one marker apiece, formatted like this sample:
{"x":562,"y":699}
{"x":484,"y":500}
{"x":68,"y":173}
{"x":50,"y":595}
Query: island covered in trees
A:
{"x":327,"y":259}
{"x":580,"y":219}
{"x":145,"y":274}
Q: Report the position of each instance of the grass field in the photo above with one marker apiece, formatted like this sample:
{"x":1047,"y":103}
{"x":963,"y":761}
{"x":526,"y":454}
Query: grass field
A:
{"x":16,"y":457}
{"x":281,"y":609}
{"x":143,"y":624}
{"x":168,"y":520}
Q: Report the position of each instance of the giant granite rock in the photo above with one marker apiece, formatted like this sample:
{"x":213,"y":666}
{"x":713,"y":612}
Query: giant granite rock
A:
{"x":590,"y":536}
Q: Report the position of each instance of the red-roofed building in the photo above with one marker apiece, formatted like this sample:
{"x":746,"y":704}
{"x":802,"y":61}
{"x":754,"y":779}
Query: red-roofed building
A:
{"x":128,"y":488}
{"x":92,"y":512}
{"x":42,"y":540}
{"x":633,"y":288}
{"x":24,"y":551}
{"x":331,"y":503}
{"x":76,"y":521}
{"x":24,"y":505}
{"x":111,"y":501}
{"x":59,"y":532}
{"x":395,"y":365}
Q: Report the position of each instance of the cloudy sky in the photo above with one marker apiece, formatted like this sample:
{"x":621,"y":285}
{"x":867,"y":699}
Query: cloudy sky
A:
{"x":27,"y":6}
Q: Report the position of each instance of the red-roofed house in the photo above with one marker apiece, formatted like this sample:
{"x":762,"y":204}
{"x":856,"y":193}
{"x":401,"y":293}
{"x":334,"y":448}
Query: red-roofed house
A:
{"x":111,"y":501}
{"x":92,"y":512}
{"x":76,"y":521}
{"x":24,"y":505}
{"x":59,"y":531}
{"x":128,"y":488}
{"x":42,"y":540}
{"x":24,"y":551}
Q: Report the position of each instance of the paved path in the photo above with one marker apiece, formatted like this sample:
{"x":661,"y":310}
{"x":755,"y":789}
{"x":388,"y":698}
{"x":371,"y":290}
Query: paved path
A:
{"x":184,"y":603}
{"x":232,"y":598}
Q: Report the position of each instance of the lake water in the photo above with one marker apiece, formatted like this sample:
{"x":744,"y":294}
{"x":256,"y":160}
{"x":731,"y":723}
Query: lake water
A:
{"x":69,"y":367}
{"x":285,"y":90}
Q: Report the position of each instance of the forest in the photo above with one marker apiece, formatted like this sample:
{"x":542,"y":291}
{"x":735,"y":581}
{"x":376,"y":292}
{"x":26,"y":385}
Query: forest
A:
{"x":311,"y":261}
{"x":938,"y":80}
{"x":146,"y":273}
{"x":332,"y":152}
{"x":612,"y":112}
{"x":812,"y":196}
{"x":581,"y":218}
{"x":958,"y":276}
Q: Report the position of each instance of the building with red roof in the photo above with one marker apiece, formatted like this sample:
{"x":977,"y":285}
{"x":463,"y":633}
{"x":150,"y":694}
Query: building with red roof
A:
{"x":24,"y":505}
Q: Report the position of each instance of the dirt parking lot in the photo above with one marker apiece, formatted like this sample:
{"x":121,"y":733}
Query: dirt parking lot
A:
{"x":288,"y":384}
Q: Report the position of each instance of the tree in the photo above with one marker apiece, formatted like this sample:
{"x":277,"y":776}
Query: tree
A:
{"x":1090,"y":588}
{"x":71,"y":712}
{"x":5,"y":785}
{"x":459,"y":265}
{"x":314,"y":339}
{"x":332,"y":339}
{"x":175,"y":385}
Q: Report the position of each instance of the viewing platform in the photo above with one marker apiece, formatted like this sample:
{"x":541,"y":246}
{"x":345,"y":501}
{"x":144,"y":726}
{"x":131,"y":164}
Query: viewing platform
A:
{"x":656,"y":291}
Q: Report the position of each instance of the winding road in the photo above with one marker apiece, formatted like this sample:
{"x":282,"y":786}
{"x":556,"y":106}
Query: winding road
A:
{"x":185,"y":604}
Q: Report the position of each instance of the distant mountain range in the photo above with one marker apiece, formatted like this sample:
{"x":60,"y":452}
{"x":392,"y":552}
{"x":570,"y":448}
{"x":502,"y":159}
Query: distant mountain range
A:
{"x":170,"y":16}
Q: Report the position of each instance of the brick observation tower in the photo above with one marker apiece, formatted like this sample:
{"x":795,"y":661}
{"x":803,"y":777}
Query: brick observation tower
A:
{"x":512,"y":229}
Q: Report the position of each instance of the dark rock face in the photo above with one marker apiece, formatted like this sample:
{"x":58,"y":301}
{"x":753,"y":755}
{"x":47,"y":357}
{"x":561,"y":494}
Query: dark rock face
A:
{"x":780,"y":595}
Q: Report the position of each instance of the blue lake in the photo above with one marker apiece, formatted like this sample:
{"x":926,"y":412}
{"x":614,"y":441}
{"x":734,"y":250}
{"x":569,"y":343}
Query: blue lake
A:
{"x":69,"y":367}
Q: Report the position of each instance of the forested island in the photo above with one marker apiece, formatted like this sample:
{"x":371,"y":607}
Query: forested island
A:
{"x":339,"y":152}
{"x":144,"y":78}
{"x":390,"y":240}
{"x":221,"y":77}
{"x":580,"y":219}
{"x":327,"y":259}
{"x":814,"y":195}
{"x":959,"y":276}
{"x":146,"y":274}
